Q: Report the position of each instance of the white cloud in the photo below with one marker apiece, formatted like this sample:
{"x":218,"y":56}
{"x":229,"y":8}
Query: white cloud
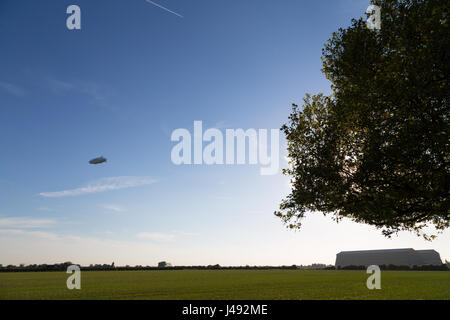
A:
{"x":24,"y":222}
{"x":59,"y":85}
{"x":25,"y":233}
{"x":44,"y":209}
{"x":156,"y":236}
{"x":13,"y":89}
{"x":188,"y":234}
{"x":97,"y":94}
{"x":113,"y":207}
{"x":105,"y":184}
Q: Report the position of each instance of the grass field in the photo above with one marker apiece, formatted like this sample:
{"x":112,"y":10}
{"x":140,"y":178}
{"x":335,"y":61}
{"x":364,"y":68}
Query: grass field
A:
{"x":226,"y":284}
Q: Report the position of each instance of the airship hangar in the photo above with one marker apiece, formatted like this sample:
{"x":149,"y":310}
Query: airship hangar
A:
{"x":400,"y":257}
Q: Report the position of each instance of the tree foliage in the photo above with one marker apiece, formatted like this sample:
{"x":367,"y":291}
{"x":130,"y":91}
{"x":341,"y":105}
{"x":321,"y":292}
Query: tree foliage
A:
{"x":378,"y":149}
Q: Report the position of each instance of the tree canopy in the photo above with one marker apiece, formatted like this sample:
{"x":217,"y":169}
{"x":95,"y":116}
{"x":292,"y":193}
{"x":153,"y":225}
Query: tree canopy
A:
{"x":377,"y":150}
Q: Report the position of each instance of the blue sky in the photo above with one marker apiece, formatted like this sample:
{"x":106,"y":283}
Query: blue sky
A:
{"x":118,"y":88}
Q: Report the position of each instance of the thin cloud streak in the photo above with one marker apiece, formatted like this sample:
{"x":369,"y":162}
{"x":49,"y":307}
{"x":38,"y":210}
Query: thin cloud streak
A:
{"x":156,"y":236}
{"x":164,"y":8}
{"x":22,"y":233}
{"x":102,"y":185}
{"x":13,"y":89}
{"x":44,"y":209}
{"x":113,"y":207}
{"x":24,"y":222}
{"x":97,"y":94}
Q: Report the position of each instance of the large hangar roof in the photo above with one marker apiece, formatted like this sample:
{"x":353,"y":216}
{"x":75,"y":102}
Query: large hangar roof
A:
{"x":380,"y":251}
{"x":405,"y":256}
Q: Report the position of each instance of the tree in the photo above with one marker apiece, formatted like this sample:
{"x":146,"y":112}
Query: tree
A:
{"x":377,"y":150}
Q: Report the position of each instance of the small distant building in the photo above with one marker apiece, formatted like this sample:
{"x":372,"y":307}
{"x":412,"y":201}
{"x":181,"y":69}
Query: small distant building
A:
{"x":314,"y":266}
{"x":399,"y":257}
{"x":164,"y":264}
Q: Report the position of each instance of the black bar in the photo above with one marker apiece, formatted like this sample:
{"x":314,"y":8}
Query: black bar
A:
{"x":232,"y":309}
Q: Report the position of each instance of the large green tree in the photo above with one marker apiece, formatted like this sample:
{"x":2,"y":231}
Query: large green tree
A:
{"x":377,"y":150}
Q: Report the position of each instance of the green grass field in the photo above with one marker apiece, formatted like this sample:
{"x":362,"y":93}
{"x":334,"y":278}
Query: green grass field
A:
{"x":226,"y":284}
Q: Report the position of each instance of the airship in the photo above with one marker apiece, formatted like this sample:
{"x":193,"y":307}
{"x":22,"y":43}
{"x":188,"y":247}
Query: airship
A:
{"x":98,"y":160}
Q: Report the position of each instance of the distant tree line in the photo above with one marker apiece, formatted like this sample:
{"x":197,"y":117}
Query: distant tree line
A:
{"x":107,"y":267}
{"x":110,"y":267}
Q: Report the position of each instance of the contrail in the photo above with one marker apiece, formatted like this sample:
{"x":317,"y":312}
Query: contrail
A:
{"x":164,"y":8}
